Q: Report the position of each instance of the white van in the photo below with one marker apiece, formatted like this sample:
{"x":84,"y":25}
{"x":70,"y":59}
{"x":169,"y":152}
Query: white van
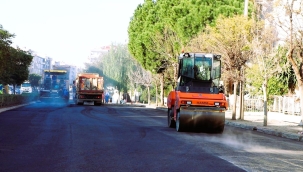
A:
{"x":26,"y":87}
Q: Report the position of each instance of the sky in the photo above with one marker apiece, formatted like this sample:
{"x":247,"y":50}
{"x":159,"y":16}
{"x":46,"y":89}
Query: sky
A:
{"x":67,"y":30}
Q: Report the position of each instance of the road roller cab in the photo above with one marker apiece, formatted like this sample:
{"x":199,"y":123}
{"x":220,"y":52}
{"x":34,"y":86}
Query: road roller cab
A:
{"x":198,"y":102}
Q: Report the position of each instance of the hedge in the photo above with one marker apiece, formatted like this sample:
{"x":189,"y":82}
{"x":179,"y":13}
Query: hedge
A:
{"x":7,"y":100}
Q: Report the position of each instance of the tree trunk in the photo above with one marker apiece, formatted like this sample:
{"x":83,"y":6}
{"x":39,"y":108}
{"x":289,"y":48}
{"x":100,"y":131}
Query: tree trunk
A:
{"x":235,"y":101}
{"x":300,"y":84}
{"x":176,"y":66}
{"x":162,"y":89}
{"x":156,"y":94}
{"x":241,"y":100}
{"x":148,"y":95}
{"x":6,"y":89}
{"x":264,"y":87}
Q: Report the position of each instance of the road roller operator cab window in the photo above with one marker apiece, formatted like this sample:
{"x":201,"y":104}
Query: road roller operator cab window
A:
{"x":200,"y":68}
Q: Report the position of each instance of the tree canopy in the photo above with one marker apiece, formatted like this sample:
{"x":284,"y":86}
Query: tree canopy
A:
{"x":14,"y":61}
{"x":34,"y":79}
{"x":156,"y":21}
{"x":5,"y":42}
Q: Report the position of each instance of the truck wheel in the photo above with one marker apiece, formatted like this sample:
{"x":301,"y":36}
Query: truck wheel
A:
{"x":170,"y":118}
{"x":79,"y":103}
{"x":178,"y":122}
{"x":97,"y":104}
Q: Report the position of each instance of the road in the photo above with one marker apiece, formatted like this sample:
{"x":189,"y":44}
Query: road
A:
{"x":57,"y":137}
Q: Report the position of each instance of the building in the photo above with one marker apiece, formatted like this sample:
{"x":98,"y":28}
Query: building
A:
{"x":98,"y":52}
{"x":39,"y":64}
{"x":72,"y":71}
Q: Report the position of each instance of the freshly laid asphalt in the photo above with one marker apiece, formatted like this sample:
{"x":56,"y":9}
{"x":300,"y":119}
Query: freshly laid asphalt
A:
{"x":278,"y":124}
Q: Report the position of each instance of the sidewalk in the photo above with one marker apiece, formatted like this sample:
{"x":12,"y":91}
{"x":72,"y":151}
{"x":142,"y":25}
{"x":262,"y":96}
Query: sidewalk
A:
{"x":278,"y":124}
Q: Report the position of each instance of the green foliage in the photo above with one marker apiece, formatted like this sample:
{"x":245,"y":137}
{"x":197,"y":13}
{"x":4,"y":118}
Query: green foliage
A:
{"x":16,"y":68}
{"x":194,"y":15}
{"x":115,"y":66}
{"x":254,"y":80}
{"x":280,"y":83}
{"x":284,"y":80}
{"x":276,"y":87}
{"x":5,"y":42}
{"x":288,"y":79}
{"x":94,"y":68}
{"x":159,"y":29}
{"x":14,"y":62}
{"x":7,"y":100}
{"x":286,"y":75}
{"x":143,"y":96}
{"x":34,"y":79}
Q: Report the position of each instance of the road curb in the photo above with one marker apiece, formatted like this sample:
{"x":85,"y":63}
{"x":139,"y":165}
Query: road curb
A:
{"x":292,"y":136}
{"x":13,"y":107}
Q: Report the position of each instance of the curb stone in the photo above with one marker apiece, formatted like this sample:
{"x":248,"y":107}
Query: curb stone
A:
{"x":287,"y":135}
{"x":13,"y":107}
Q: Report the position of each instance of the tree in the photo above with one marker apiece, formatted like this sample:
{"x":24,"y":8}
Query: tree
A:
{"x":15,"y":70}
{"x":116,"y":67}
{"x":5,"y":42}
{"x":116,"y":64}
{"x":290,"y":18}
{"x":232,"y":38}
{"x":139,"y":76}
{"x":268,"y":60}
{"x":14,"y":62}
{"x":159,"y":29}
{"x":279,"y":83}
{"x":34,"y":79}
{"x":167,"y":45}
{"x":266,"y":55}
{"x":94,"y":68}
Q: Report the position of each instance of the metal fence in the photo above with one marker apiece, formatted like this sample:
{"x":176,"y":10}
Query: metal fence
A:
{"x":281,"y":104}
{"x":251,"y":104}
{"x":286,"y":104}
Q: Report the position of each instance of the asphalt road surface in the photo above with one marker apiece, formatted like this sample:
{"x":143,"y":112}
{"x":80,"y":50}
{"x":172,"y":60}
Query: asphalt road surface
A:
{"x":58,"y":137}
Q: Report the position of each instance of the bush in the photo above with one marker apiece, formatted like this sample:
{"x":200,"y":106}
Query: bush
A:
{"x":144,"y":96}
{"x":7,"y":100}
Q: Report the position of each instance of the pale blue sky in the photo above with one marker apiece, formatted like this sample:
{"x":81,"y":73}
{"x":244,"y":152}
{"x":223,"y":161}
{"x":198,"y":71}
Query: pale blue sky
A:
{"x":67,"y":29}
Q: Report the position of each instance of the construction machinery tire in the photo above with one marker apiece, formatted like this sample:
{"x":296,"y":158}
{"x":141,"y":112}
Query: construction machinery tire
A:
{"x":170,"y":118}
{"x":180,"y":124}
